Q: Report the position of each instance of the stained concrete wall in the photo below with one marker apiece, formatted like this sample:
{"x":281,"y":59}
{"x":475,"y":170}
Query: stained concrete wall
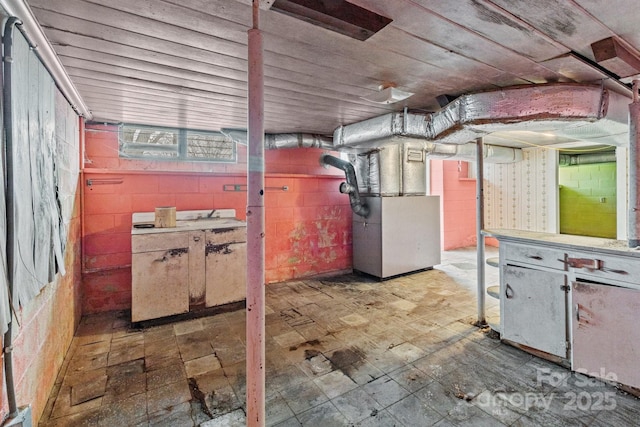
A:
{"x":308,"y":227}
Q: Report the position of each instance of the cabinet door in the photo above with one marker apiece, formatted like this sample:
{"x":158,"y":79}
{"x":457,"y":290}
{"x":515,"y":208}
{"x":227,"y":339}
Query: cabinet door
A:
{"x":534,"y":309}
{"x":159,"y":283}
{"x":367,"y":247}
{"x":606,"y":337}
{"x":226,"y":271}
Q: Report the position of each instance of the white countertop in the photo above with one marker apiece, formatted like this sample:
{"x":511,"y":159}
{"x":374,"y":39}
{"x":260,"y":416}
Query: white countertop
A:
{"x":214,"y":219}
{"x":580,"y":243}
{"x":192,"y":225}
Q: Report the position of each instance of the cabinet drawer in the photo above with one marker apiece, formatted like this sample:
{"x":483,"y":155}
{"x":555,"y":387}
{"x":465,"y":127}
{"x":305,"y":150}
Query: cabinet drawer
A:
{"x":226,"y":235}
{"x":535,"y":255}
{"x":606,"y":267}
{"x":159,"y":242}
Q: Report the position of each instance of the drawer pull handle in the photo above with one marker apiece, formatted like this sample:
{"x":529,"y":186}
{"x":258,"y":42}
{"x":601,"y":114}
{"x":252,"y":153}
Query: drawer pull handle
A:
{"x":611,"y":270}
{"x":508,"y":291}
{"x":536,"y":257}
{"x":588,"y":263}
{"x":196,"y":238}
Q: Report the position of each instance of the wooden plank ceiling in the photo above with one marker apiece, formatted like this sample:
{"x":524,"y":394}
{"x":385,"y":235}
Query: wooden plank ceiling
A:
{"x":184,"y":62}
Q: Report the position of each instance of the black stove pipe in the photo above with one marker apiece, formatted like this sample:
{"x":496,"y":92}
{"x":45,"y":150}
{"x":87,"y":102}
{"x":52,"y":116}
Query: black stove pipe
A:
{"x":351,"y":186}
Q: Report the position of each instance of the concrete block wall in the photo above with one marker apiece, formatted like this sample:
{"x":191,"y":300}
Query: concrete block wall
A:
{"x":308,"y":227}
{"x":588,"y":200}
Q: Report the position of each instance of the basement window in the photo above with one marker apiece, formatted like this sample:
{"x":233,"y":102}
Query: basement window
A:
{"x":163,"y":143}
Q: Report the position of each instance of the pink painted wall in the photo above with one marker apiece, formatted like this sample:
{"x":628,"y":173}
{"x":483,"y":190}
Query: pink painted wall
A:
{"x":308,"y":227}
{"x":458,"y":202}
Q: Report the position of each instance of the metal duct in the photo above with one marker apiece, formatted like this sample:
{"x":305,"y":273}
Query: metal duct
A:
{"x":468,"y":152}
{"x":351,"y":186}
{"x":274,"y":141}
{"x":400,"y":169}
{"x":296,"y":140}
{"x":586,"y":159}
{"x":559,"y":108}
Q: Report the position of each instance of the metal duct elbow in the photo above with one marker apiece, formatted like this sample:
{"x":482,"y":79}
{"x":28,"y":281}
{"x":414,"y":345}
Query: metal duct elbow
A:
{"x":351,"y":186}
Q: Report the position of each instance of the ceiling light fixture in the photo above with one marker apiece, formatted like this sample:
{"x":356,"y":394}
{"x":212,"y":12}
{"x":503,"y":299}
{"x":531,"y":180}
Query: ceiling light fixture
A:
{"x":388,"y":94}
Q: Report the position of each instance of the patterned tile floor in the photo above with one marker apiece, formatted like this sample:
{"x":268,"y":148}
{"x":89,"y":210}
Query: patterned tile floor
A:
{"x":341,"y":351}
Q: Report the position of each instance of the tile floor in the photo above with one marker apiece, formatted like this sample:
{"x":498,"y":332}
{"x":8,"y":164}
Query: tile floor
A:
{"x":341,"y":351}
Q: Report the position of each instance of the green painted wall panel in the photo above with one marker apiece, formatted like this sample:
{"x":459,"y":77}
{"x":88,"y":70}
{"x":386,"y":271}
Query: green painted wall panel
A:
{"x":588,"y":200}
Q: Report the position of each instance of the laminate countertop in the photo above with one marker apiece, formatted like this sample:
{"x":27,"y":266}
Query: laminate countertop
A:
{"x":565,"y":241}
{"x":189,"y":225}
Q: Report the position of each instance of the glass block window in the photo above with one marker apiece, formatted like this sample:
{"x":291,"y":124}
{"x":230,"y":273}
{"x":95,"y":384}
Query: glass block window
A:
{"x":159,"y":143}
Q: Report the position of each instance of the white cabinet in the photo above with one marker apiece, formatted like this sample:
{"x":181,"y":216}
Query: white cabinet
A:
{"x":226,"y":252}
{"x":400,"y":235}
{"x":534,"y":309}
{"x":159,"y":275}
{"x":188,"y":268}
{"x":596,"y":314}
{"x":606,"y":337}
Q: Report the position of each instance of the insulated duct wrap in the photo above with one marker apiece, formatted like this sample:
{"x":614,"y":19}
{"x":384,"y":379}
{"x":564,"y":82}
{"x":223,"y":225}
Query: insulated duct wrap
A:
{"x":468,"y":152}
{"x":274,"y":141}
{"x":586,"y":159}
{"x":392,"y":170}
{"x":296,"y":140}
{"x":560,"y":108}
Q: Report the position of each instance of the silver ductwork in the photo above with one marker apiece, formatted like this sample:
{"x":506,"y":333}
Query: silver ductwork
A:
{"x":400,"y":169}
{"x":273,"y":141}
{"x":296,"y":140}
{"x":392,"y":170}
{"x":468,"y":152}
{"x":563,"y":109}
{"x":586,"y":158}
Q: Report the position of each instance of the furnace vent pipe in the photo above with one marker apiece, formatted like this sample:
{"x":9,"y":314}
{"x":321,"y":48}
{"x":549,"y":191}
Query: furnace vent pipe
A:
{"x":351,"y":186}
{"x":586,"y":159}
